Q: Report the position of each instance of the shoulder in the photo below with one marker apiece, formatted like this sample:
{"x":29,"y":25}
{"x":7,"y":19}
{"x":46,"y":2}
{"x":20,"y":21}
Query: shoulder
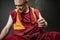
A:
{"x":13,"y":14}
{"x":36,"y":10}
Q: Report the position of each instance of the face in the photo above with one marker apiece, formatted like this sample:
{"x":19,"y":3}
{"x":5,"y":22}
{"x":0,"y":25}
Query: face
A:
{"x":20,"y":5}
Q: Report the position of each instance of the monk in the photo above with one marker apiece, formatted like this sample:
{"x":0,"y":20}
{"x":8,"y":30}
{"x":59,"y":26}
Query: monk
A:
{"x":27,"y":24}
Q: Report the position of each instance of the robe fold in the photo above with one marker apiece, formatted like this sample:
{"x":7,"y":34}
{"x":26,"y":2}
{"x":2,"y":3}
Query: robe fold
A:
{"x":31,"y":31}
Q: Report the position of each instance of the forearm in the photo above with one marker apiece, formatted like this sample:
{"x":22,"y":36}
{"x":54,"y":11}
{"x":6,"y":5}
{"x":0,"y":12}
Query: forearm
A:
{"x":3,"y":33}
{"x":6,"y":28}
{"x":42,"y":23}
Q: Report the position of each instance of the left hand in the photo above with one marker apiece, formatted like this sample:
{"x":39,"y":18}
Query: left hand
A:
{"x":42,"y":23}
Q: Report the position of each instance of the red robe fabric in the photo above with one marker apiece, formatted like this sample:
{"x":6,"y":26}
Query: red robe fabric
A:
{"x":32,"y":31}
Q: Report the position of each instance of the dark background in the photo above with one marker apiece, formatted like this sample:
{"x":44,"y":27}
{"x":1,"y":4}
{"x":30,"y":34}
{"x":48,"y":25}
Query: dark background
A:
{"x":50,"y":10}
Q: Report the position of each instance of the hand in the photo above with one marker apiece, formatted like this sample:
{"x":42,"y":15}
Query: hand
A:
{"x":42,"y":23}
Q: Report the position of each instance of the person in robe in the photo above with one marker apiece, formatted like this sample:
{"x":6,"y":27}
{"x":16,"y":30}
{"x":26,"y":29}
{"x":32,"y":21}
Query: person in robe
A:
{"x":27,"y":23}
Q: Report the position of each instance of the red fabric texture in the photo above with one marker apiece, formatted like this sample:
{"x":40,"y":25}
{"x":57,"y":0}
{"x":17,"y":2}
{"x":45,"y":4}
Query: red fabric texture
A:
{"x":51,"y":36}
{"x":14,"y":37}
{"x":32,"y":31}
{"x":13,"y":14}
{"x":35,"y":36}
{"x":26,"y":19}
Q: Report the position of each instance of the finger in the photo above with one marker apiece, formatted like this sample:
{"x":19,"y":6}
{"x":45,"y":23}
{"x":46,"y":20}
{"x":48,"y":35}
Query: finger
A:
{"x":40,"y":20}
{"x":41,"y":25}
{"x":43,"y":21}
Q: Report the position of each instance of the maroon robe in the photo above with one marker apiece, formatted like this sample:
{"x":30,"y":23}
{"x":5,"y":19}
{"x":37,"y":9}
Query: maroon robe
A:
{"x":32,"y":31}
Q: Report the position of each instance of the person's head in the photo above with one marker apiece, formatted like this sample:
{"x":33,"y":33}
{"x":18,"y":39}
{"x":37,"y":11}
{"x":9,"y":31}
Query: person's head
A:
{"x":21,"y":5}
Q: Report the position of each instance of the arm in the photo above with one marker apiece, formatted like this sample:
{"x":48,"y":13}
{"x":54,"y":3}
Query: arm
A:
{"x":41,"y":21}
{"x":6,"y":28}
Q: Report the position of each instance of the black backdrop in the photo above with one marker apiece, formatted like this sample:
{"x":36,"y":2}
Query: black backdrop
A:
{"x":48,"y":8}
